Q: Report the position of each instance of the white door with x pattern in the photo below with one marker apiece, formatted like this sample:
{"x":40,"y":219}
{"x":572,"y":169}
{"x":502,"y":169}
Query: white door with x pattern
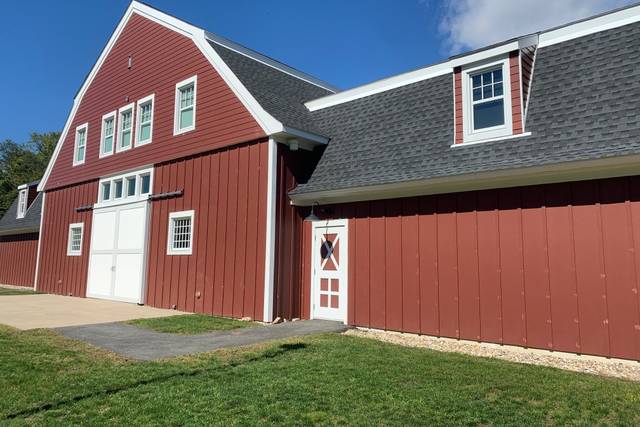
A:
{"x":329,"y":276}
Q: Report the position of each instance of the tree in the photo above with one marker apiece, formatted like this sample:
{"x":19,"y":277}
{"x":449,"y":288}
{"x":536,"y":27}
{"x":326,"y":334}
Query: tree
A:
{"x":23,"y":163}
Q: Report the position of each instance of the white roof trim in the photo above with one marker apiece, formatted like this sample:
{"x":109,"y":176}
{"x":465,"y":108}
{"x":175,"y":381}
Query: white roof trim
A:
{"x":263,"y":59}
{"x":617,"y":18}
{"x":268,"y":123}
{"x":603,"y":22}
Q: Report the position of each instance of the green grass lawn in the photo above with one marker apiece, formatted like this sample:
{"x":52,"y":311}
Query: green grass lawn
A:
{"x":9,"y":291}
{"x":190,"y":324}
{"x":319,"y":380}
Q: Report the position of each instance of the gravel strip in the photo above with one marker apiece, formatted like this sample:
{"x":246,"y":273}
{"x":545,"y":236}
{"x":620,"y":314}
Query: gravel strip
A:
{"x":625,"y":369}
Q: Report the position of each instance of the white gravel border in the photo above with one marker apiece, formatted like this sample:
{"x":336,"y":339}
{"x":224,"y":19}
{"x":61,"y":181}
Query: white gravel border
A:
{"x":619,"y":368}
{"x":17,"y":288}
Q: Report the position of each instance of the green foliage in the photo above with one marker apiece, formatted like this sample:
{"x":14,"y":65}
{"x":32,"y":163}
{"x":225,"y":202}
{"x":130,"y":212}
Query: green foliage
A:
{"x":10,"y":291}
{"x":313,"y":380}
{"x":21,"y":163}
{"x":190,"y":324}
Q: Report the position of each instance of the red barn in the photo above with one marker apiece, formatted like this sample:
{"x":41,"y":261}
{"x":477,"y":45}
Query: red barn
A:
{"x":490,"y":197}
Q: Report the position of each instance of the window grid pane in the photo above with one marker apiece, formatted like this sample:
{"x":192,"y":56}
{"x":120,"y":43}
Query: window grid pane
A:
{"x":186,"y":97}
{"x":181,"y":233}
{"x":76,"y":239}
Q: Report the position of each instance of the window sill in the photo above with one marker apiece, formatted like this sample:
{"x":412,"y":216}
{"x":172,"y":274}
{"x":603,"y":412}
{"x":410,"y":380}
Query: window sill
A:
{"x":183,"y":131}
{"x":482,"y":141}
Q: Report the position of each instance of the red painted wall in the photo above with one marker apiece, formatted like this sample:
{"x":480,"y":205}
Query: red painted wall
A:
{"x":225,"y":273}
{"x":59,"y":273}
{"x":551,"y":267}
{"x":18,"y":259}
{"x":161,"y":58}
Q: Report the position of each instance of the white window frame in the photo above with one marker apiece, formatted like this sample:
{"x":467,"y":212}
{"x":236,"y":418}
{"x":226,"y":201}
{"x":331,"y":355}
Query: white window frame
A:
{"x":23,"y":196}
{"x":83,"y":127}
{"x":137,"y":197}
{"x":147,"y":99}
{"x":120,"y":121}
{"x":112,"y":115}
{"x":505,"y":130}
{"x":71,"y":252}
{"x":172,"y":217}
{"x":176,"y":113}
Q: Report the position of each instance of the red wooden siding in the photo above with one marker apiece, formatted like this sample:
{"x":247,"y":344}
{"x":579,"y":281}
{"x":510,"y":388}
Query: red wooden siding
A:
{"x":18,"y":259}
{"x":225,"y":273}
{"x":294,"y":167}
{"x":552,"y":267}
{"x":59,"y":273}
{"x":161,"y":58}
{"x":457,"y":101}
{"x":516,"y":93}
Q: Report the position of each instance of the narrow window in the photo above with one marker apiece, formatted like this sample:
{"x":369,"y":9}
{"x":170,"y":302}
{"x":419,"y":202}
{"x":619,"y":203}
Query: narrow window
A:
{"x":22,"y":203}
{"x":131,"y":186}
{"x":185,"y":114}
{"x":108,"y":134}
{"x":74,"y":243}
{"x":79,"y":153}
{"x":144,"y":129}
{"x":126,"y":128}
{"x":488,"y":99}
{"x":106,"y":191}
{"x":117,"y":189}
{"x":180,"y":233}
{"x":145,"y":184}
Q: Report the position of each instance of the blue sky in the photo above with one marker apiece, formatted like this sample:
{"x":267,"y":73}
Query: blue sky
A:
{"x":48,"y":47}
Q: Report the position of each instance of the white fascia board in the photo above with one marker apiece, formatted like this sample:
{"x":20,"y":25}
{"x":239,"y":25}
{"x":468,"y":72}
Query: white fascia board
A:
{"x":263,"y":59}
{"x":599,"y":23}
{"x":562,"y":172}
{"x":269,"y":124}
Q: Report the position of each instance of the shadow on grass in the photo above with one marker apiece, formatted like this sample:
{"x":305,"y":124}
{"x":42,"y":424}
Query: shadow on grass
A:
{"x":267,"y":354}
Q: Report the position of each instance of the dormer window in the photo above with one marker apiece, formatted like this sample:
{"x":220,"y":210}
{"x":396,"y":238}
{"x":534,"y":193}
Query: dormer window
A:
{"x":486,"y":101}
{"x":22,"y":203}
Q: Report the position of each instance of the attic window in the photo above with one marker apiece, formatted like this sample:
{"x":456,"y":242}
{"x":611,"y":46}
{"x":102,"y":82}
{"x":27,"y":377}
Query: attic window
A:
{"x":486,"y":101}
{"x":22,"y":204}
{"x":125,"y":128}
{"x":185,"y":107}
{"x":79,"y":152}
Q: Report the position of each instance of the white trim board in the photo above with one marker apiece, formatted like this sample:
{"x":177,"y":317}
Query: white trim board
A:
{"x":270,"y":240}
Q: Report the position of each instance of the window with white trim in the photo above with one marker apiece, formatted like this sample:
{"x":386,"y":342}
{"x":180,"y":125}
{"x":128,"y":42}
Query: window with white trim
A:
{"x":180,"y":241}
{"x":185,"y":107}
{"x":130,"y":187}
{"x":23,"y":195}
{"x":144,"y":126}
{"x":108,"y":134}
{"x":486,"y":101}
{"x":125,"y":128}
{"x":74,"y":242}
{"x":80,"y":147}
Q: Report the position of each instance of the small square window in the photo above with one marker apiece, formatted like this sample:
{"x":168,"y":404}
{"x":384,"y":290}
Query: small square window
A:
{"x":131,"y":186}
{"x":117,"y":187}
{"x":185,"y":106}
{"x":180,"y":236}
{"x":22,"y":203}
{"x":74,"y":243}
{"x":106,"y":191}
{"x":145,"y":184}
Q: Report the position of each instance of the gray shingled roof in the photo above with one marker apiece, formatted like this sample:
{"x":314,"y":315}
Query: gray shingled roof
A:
{"x":584,"y":105}
{"x":280,"y":94}
{"x":9,"y":224}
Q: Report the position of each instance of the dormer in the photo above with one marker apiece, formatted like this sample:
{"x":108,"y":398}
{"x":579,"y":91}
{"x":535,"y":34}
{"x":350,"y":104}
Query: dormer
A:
{"x":490,"y":91}
{"x":26,"y":195}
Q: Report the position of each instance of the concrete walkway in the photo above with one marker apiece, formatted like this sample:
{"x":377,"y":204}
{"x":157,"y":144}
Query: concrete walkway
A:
{"x":54,"y":311}
{"x":144,"y":344}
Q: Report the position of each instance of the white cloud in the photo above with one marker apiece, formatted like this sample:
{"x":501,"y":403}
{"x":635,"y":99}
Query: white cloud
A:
{"x":469,"y":24}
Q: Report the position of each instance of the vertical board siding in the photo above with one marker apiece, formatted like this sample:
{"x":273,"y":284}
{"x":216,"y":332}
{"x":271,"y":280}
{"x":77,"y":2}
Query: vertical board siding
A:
{"x":18,"y":259}
{"x":59,"y":273}
{"x":160,"y":59}
{"x":225,"y":273}
{"x":549,"y":266}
